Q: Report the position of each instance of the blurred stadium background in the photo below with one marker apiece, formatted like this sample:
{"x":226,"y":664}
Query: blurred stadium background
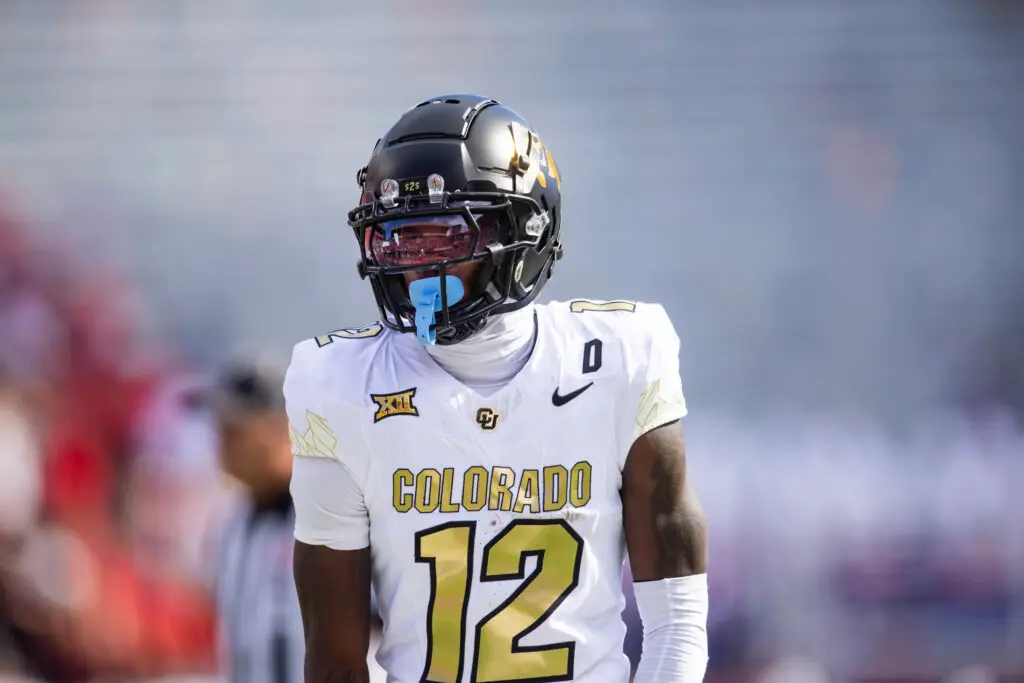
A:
{"x":826,"y":195}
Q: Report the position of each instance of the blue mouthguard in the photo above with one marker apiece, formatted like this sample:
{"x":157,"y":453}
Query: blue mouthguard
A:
{"x":425,"y":295}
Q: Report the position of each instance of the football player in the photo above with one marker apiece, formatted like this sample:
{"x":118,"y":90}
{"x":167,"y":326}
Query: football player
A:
{"x":482,"y":459}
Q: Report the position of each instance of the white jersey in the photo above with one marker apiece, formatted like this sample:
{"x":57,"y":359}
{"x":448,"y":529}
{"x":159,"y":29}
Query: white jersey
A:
{"x":495,"y":522}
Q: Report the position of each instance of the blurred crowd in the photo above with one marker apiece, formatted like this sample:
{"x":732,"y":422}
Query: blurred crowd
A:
{"x":108,"y":478}
{"x":834,"y":557}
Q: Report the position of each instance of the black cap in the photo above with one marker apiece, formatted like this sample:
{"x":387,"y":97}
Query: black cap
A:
{"x":247,"y":388}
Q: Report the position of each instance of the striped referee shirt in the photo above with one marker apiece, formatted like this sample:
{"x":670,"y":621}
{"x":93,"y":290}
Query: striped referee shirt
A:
{"x":260,"y":624}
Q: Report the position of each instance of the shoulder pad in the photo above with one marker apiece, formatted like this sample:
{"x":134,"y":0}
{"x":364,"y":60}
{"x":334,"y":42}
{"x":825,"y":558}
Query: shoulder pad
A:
{"x":370,"y":331}
{"x":333,"y":367}
{"x":642,"y":329}
{"x":627,"y":319}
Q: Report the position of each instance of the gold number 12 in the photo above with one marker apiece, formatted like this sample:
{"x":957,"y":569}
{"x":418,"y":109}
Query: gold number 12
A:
{"x":498,"y":656}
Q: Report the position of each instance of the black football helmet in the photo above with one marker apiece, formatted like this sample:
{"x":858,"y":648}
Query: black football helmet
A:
{"x":479,"y":185}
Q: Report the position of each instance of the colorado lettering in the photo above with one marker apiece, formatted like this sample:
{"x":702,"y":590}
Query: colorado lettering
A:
{"x":499,"y":488}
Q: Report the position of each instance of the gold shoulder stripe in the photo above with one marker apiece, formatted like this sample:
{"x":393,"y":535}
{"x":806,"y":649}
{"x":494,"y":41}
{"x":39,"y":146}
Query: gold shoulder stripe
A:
{"x":350,"y":333}
{"x":583,"y":305}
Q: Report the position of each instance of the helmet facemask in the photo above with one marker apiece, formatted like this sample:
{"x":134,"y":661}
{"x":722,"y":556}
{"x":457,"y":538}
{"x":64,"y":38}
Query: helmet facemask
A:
{"x":435,"y":243}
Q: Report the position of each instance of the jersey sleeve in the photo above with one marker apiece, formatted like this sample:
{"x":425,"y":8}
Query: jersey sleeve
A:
{"x":655,"y":387}
{"x":328,"y":471}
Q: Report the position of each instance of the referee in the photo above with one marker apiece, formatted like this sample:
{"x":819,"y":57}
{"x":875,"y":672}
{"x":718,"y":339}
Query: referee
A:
{"x":260,"y":623}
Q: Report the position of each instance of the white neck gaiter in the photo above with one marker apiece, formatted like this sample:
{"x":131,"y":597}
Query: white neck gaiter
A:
{"x":489,"y":359}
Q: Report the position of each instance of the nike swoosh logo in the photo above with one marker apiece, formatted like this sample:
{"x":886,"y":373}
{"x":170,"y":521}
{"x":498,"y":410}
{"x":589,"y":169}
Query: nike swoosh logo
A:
{"x":560,"y":400}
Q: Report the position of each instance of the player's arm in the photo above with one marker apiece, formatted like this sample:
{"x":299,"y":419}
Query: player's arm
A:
{"x":332,"y":553}
{"x":332,"y":570}
{"x":334,"y":596}
{"x":666,"y":536}
{"x":665,"y":528}
{"x":666,"y":533}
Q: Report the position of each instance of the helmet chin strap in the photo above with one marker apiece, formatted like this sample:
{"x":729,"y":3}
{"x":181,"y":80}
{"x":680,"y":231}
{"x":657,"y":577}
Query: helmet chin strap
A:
{"x":425,"y":296}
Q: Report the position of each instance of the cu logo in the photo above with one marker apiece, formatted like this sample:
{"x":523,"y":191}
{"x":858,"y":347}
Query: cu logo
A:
{"x":487,"y":419}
